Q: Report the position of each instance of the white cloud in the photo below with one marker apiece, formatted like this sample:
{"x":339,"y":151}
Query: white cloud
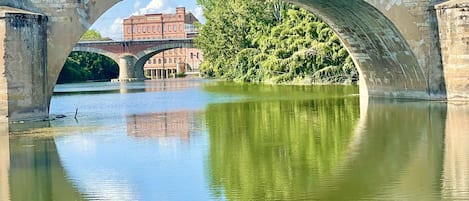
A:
{"x":115,"y":30}
{"x":152,"y":7}
{"x":198,"y":12}
{"x":137,"y":4}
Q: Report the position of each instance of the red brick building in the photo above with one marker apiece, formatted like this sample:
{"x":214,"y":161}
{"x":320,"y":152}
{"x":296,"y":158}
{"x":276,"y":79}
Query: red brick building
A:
{"x":166,"y":26}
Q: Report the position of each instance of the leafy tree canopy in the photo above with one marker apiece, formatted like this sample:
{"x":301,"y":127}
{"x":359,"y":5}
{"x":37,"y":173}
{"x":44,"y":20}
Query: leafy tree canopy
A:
{"x":93,"y":35}
{"x":270,"y":41}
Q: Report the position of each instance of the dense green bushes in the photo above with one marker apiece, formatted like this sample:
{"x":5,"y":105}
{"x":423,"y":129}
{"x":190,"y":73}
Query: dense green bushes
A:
{"x":84,"y":66}
{"x":270,"y":41}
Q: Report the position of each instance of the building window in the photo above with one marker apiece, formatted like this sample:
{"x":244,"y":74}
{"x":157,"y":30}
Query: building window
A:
{"x":164,"y":60}
{"x":128,"y":29}
{"x":192,"y":55}
{"x":159,"y":61}
{"x":169,"y":28}
{"x":175,"y":28}
{"x":149,"y":61}
{"x":154,"y":29}
{"x":144,"y":29}
{"x":138,"y":29}
{"x":170,"y":60}
{"x":154,"y":61}
{"x":159,"y":29}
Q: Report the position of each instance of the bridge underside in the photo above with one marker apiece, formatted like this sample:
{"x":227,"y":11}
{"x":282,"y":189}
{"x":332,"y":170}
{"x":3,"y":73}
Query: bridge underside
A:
{"x":387,"y":64}
{"x":392,"y":43}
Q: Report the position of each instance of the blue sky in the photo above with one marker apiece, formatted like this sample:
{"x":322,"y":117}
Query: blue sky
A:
{"x":110,"y":24}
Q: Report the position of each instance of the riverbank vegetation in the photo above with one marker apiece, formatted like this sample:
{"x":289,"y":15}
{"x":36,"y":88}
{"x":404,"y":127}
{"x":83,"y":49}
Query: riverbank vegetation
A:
{"x":86,"y":66}
{"x":270,"y":41}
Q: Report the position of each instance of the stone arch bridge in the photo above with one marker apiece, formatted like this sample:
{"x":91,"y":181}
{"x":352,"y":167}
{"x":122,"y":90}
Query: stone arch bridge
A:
{"x":132,"y":55}
{"x":414,"y":49}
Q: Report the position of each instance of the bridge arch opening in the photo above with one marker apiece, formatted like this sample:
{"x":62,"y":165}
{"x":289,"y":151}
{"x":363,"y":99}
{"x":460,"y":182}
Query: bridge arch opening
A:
{"x":387,"y":64}
{"x":86,"y":65}
{"x":168,"y":59}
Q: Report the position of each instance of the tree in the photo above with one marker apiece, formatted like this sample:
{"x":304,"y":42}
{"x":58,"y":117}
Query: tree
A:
{"x":270,"y":41}
{"x":93,"y":35}
{"x":84,"y":66}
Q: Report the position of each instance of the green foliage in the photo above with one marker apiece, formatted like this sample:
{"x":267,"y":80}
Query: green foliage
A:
{"x":270,"y":41}
{"x":83,"y":66}
{"x":92,"y":35}
{"x":284,"y":153}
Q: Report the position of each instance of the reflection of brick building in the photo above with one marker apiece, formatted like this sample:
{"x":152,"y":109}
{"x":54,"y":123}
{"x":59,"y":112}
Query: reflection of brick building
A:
{"x":166,"y":26}
{"x":161,"y":125}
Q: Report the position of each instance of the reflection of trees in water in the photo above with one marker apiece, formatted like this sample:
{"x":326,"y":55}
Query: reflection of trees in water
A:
{"x":303,"y":149}
{"x":36,"y":172}
{"x":277,"y":149}
{"x":162,"y":125}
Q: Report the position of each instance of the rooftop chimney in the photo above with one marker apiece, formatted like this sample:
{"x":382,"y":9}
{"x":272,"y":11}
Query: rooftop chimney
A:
{"x":180,"y":10}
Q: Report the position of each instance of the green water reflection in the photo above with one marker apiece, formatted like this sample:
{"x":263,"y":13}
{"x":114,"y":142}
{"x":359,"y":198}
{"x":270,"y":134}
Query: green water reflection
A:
{"x":35,"y":171}
{"x":224,"y":141}
{"x":322,"y":149}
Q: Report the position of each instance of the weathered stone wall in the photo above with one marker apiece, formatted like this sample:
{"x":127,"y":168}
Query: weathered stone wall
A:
{"x":416,"y":21}
{"x":23,"y":81}
{"x":453,"y":20}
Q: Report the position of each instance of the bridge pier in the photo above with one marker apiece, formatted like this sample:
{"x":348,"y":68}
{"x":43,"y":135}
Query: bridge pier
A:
{"x":23,"y":65}
{"x":453,"y":22}
{"x":127,"y":70}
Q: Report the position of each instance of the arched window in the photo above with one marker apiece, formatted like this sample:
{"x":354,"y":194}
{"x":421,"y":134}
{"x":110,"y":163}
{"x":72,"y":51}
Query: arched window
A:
{"x":170,"y":60}
{"x":159,"y":61}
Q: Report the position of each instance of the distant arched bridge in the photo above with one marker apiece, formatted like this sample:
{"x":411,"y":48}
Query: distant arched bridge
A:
{"x":132,"y":55}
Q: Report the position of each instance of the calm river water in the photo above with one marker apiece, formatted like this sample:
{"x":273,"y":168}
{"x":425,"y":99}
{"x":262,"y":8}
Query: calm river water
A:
{"x":205,"y":140}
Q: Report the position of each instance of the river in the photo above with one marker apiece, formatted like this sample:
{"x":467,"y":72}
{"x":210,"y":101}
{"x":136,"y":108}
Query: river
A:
{"x":208,"y":140}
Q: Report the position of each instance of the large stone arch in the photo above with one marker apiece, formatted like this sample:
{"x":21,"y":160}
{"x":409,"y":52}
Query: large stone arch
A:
{"x":388,"y":49}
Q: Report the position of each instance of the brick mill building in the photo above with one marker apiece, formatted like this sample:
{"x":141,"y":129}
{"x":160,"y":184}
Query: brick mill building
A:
{"x":166,"y":26}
